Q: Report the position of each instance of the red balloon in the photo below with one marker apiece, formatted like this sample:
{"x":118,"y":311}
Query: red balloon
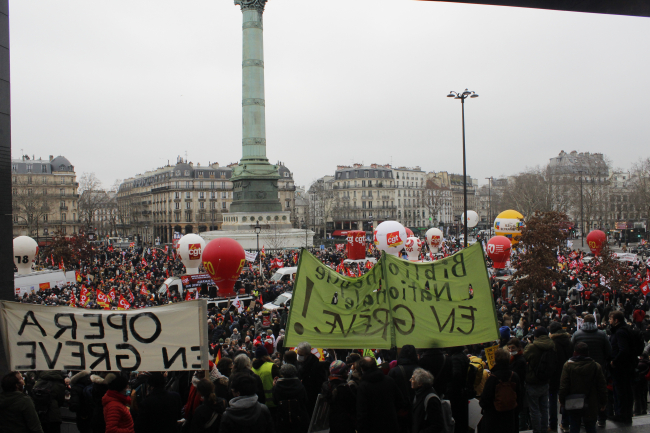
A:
{"x":596,"y":239}
{"x":224,"y":259}
{"x":498,"y":249}
{"x":409,"y":232}
{"x":356,"y":247}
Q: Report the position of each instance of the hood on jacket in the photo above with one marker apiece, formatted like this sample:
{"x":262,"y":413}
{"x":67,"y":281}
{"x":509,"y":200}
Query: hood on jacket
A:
{"x":53,"y":376}
{"x":407,"y":355}
{"x":543,"y":342}
{"x":8,"y":399}
{"x":289,"y":387}
{"x":94,"y":378}
{"x":116,"y":396}
{"x":589,"y":327}
{"x":244,"y":410}
{"x":80,"y":377}
{"x":559,"y":336}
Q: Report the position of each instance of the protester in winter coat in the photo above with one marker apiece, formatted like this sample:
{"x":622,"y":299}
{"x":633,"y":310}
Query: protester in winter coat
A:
{"x":267,"y":371}
{"x":116,"y":407}
{"x":311,"y":373}
{"x":501,"y":396}
{"x":435,"y":362}
{"x":80,"y":400}
{"x":564,"y":350}
{"x":378,"y":400}
{"x":207,"y":417}
{"x":600,"y":349}
{"x":456,"y":391}
{"x":537,"y":387}
{"x":160,"y":410}
{"x":53,"y":380}
{"x":518,"y":365}
{"x":342,"y":399}
{"x":583,"y":375}
{"x":407,"y":362}
{"x":290,"y":401}
{"x":622,"y":366}
{"x":17,"y":413}
{"x":426,"y":412}
{"x":245,"y":414}
{"x":242,"y":366}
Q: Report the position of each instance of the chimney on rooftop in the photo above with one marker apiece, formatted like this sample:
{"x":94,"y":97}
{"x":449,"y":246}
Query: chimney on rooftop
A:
{"x":51,"y":157}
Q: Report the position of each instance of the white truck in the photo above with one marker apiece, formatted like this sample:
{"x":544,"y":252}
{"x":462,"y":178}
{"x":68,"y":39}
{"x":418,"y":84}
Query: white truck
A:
{"x":42,"y":280}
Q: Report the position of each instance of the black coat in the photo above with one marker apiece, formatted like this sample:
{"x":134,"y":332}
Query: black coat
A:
{"x":378,"y":400}
{"x":435,"y":362}
{"x":622,"y":356}
{"x":401,"y":374}
{"x":204,"y":413}
{"x":158,"y":412}
{"x":564,"y":351}
{"x":433,"y":413}
{"x":342,"y":398}
{"x":494,"y":421}
{"x":312,"y":375}
{"x":458,"y":381}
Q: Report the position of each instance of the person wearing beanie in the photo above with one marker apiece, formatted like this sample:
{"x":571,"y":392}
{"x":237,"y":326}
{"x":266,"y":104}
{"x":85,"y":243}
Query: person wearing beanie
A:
{"x":564,"y":351}
{"x":266,"y":369}
{"x":582,"y":375}
{"x":504,"y":332}
{"x":541,"y":358}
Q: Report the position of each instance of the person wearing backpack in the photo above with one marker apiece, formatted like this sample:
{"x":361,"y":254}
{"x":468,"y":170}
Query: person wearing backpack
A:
{"x":583,"y":390}
{"x":378,"y":400}
{"x":17,"y":412}
{"x":290,"y":402}
{"x":49,"y":396}
{"x":541,"y":358}
{"x":622,"y":366}
{"x":407,"y":362}
{"x":501,"y":397}
{"x":206,"y":417}
{"x":427,"y":413}
{"x":79,"y":402}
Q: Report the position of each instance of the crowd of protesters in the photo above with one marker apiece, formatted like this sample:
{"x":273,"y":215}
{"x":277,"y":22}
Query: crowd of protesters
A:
{"x":580,"y":346}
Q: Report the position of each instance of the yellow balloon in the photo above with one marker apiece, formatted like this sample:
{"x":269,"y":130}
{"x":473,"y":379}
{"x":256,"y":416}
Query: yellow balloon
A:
{"x":509,"y":224}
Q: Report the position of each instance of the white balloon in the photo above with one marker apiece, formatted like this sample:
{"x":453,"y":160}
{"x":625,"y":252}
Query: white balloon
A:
{"x":472,"y":218}
{"x":434,"y":239}
{"x":413,"y":247}
{"x":190,"y":248}
{"x":390,"y":236}
{"x":25,"y":250}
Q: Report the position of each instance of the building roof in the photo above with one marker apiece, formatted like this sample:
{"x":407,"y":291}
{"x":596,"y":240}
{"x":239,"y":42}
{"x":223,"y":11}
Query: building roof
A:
{"x":61,"y":163}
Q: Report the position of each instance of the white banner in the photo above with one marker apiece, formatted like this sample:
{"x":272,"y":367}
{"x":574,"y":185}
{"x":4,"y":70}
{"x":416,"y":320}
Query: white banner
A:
{"x":250,"y":256}
{"x":166,"y":338}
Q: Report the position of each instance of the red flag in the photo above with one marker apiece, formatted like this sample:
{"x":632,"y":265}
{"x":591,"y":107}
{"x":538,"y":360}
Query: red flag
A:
{"x":61,"y":265}
{"x":169,"y":295}
{"x":73,"y":300}
{"x":368,"y":264}
{"x":102,"y":299}
{"x":166,"y":248}
{"x":644,"y":287}
{"x":123,"y":304}
{"x":111,"y":294}
{"x":144,"y":262}
{"x":130,"y":295}
{"x":188,"y":295}
{"x":217,"y":358}
{"x":261,"y":301}
{"x":83,"y":296}
{"x":167,"y":272}
{"x":52,"y":256}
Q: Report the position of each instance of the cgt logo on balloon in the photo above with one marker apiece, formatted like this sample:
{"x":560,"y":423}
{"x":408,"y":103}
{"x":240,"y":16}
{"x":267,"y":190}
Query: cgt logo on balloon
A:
{"x":393,"y":239}
{"x":194,"y":251}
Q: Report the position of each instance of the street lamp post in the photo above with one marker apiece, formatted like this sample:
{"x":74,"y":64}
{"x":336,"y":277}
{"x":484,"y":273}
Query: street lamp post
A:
{"x":303,"y":222}
{"x":462,"y":97}
{"x":582,"y":220}
{"x":258,"y":229}
{"x":490,"y":203}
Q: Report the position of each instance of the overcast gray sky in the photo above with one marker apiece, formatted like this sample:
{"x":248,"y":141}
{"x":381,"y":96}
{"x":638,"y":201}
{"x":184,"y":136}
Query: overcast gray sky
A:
{"x":122,"y":86}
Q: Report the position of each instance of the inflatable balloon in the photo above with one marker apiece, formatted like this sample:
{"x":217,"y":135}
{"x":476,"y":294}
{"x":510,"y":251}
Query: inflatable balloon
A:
{"x":596,"y":239}
{"x":356,"y":246}
{"x":434,"y":239}
{"x":409,"y":232}
{"x":498,"y":249}
{"x":413,"y":247}
{"x":472,"y":218}
{"x":25,"y":250}
{"x":190,"y":247}
{"x":224,"y":259}
{"x":390,"y":237}
{"x":509,"y":224}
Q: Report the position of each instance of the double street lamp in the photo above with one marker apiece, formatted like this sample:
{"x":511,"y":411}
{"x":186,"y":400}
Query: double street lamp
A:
{"x":303,"y":222}
{"x":462,"y":96}
{"x":258,"y":229}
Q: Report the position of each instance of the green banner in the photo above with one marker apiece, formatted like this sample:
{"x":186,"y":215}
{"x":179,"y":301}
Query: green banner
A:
{"x":396,"y":303}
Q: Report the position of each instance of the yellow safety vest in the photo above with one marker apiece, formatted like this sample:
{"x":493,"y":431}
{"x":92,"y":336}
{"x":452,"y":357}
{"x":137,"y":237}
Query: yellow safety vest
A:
{"x":264,"y":372}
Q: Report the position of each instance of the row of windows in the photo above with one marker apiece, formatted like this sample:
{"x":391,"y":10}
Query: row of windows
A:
{"x":30,"y":191}
{"x":366,"y":173}
{"x":30,"y":180}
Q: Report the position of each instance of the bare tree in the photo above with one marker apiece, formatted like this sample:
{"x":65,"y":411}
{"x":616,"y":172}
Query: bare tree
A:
{"x":528,"y":192}
{"x":91,"y":198}
{"x":327,"y":202}
{"x":640,"y":188}
{"x":274,"y":237}
{"x":31,"y":206}
{"x":436,"y":199}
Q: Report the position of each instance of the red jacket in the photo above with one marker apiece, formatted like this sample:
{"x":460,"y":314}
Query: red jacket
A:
{"x":638,"y":316}
{"x":116,"y":414}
